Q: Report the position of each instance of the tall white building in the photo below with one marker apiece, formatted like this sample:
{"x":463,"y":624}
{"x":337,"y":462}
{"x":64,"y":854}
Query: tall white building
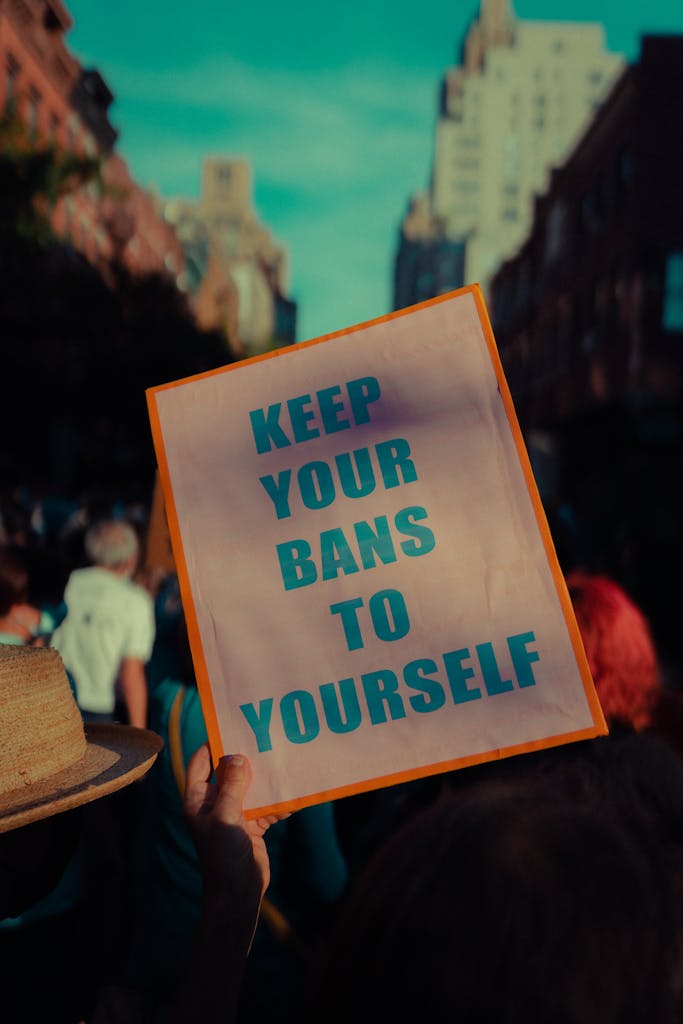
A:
{"x":522,"y":94}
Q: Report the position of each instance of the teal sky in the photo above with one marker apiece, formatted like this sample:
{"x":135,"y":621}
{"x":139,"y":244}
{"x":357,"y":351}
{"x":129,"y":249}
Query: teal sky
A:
{"x":333,"y":105}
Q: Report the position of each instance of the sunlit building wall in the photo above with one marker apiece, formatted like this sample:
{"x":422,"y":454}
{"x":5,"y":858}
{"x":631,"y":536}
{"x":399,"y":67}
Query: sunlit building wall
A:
{"x":237,"y":273}
{"x":590,"y":309}
{"x":64,"y":105}
{"x":509,"y":112}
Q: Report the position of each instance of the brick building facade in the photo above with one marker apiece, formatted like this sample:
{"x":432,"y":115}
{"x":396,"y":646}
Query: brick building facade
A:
{"x":65,"y":105}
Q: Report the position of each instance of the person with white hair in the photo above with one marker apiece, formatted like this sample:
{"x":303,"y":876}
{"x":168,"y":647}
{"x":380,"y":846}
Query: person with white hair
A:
{"x":107,"y":634}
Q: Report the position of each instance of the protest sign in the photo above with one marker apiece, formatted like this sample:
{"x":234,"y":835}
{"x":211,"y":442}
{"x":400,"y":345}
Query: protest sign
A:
{"x":371,"y":588}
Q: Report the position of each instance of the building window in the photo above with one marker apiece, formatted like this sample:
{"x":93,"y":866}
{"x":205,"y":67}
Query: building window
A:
{"x":624,"y":178}
{"x":32,"y":110}
{"x":13,"y":69}
{"x":23,"y":11}
{"x":466,"y":163}
{"x":556,"y":230}
{"x":61,"y":69}
{"x":72,"y":132}
{"x":625,"y":167}
{"x":51,"y":21}
{"x":54,"y":128}
{"x":511,"y":153}
{"x":672,"y":313}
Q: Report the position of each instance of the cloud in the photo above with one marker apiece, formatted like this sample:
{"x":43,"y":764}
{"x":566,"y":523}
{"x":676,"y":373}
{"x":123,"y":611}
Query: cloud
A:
{"x":293,"y":125}
{"x":335,"y":155}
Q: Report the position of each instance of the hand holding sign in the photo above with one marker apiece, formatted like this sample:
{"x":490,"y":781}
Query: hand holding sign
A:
{"x":371,"y":589}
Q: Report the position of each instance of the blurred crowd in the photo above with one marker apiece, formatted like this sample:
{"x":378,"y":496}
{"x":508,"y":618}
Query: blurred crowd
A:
{"x":544,"y":887}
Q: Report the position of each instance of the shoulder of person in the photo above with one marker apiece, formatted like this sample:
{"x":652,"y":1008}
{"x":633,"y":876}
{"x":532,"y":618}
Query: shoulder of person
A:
{"x":140,"y":593}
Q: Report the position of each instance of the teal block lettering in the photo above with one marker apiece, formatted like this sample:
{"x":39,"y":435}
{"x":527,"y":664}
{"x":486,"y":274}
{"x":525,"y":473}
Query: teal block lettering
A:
{"x":423,"y":539}
{"x":392,"y":457}
{"x":375,"y":541}
{"x":300,"y":416}
{"x":431,"y":696}
{"x":278,"y":492}
{"x":331,"y":410}
{"x":489,"y":669}
{"x":381,"y":693}
{"x":299,"y":716}
{"x":266,"y":429}
{"x":349,"y":618}
{"x":259,"y":722}
{"x":336,"y":555}
{"x":458,"y":674}
{"x":351,"y":718}
{"x":389,"y":627}
{"x":297,"y":567}
{"x":360,"y":483}
{"x":521,"y":658}
{"x":316,"y":485}
{"x":362,"y":392}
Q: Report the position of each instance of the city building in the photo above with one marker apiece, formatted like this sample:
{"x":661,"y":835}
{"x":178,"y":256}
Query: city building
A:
{"x":236,"y":274}
{"x":590,"y":310}
{"x":63,"y":105}
{"x":428,"y":262}
{"x":588,"y":319}
{"x":509,"y":111}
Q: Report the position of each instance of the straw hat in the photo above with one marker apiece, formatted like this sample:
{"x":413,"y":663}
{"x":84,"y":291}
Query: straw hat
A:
{"x":50,"y":761}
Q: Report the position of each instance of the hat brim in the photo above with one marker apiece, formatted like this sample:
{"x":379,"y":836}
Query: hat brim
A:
{"x":115,"y":756}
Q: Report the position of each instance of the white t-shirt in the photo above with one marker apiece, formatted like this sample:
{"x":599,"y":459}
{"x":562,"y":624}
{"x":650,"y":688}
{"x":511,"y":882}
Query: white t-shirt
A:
{"x":108,"y":618}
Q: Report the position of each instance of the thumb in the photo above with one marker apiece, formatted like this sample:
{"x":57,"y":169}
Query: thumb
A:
{"x":233,"y":775}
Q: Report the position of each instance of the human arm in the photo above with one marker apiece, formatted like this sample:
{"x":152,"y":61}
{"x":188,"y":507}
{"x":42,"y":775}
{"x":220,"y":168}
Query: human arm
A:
{"x":133,"y":684}
{"x":235,"y":873}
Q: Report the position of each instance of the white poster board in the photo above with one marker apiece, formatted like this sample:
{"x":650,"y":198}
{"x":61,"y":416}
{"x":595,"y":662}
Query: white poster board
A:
{"x":371,"y":589}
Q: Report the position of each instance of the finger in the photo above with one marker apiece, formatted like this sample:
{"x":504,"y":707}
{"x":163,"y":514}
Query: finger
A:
{"x":199,"y":767}
{"x":266,"y":820}
{"x":197,"y":779}
{"x":234,"y":775}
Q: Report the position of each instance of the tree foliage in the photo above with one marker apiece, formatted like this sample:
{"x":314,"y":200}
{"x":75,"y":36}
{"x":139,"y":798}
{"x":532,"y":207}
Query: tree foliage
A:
{"x":34,"y":176}
{"x":78,"y":351}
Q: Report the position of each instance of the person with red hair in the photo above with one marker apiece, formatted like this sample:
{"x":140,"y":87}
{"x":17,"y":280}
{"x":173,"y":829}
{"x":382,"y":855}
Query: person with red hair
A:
{"x":619,"y":647}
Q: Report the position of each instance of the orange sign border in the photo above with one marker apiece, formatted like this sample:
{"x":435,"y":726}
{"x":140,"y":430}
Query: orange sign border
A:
{"x":599,"y":727}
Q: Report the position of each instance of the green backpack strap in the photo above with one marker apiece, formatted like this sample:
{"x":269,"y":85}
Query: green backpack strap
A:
{"x":175,"y":744}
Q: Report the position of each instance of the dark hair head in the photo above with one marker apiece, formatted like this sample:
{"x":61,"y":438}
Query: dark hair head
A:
{"x":14,"y":578}
{"x":505,"y":905}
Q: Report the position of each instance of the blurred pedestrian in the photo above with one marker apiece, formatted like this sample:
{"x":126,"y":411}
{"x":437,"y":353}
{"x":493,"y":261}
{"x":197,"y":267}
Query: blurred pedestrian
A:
{"x":624,"y":661}
{"x":20,"y":621}
{"x":107,"y":635}
{"x":619,"y":646}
